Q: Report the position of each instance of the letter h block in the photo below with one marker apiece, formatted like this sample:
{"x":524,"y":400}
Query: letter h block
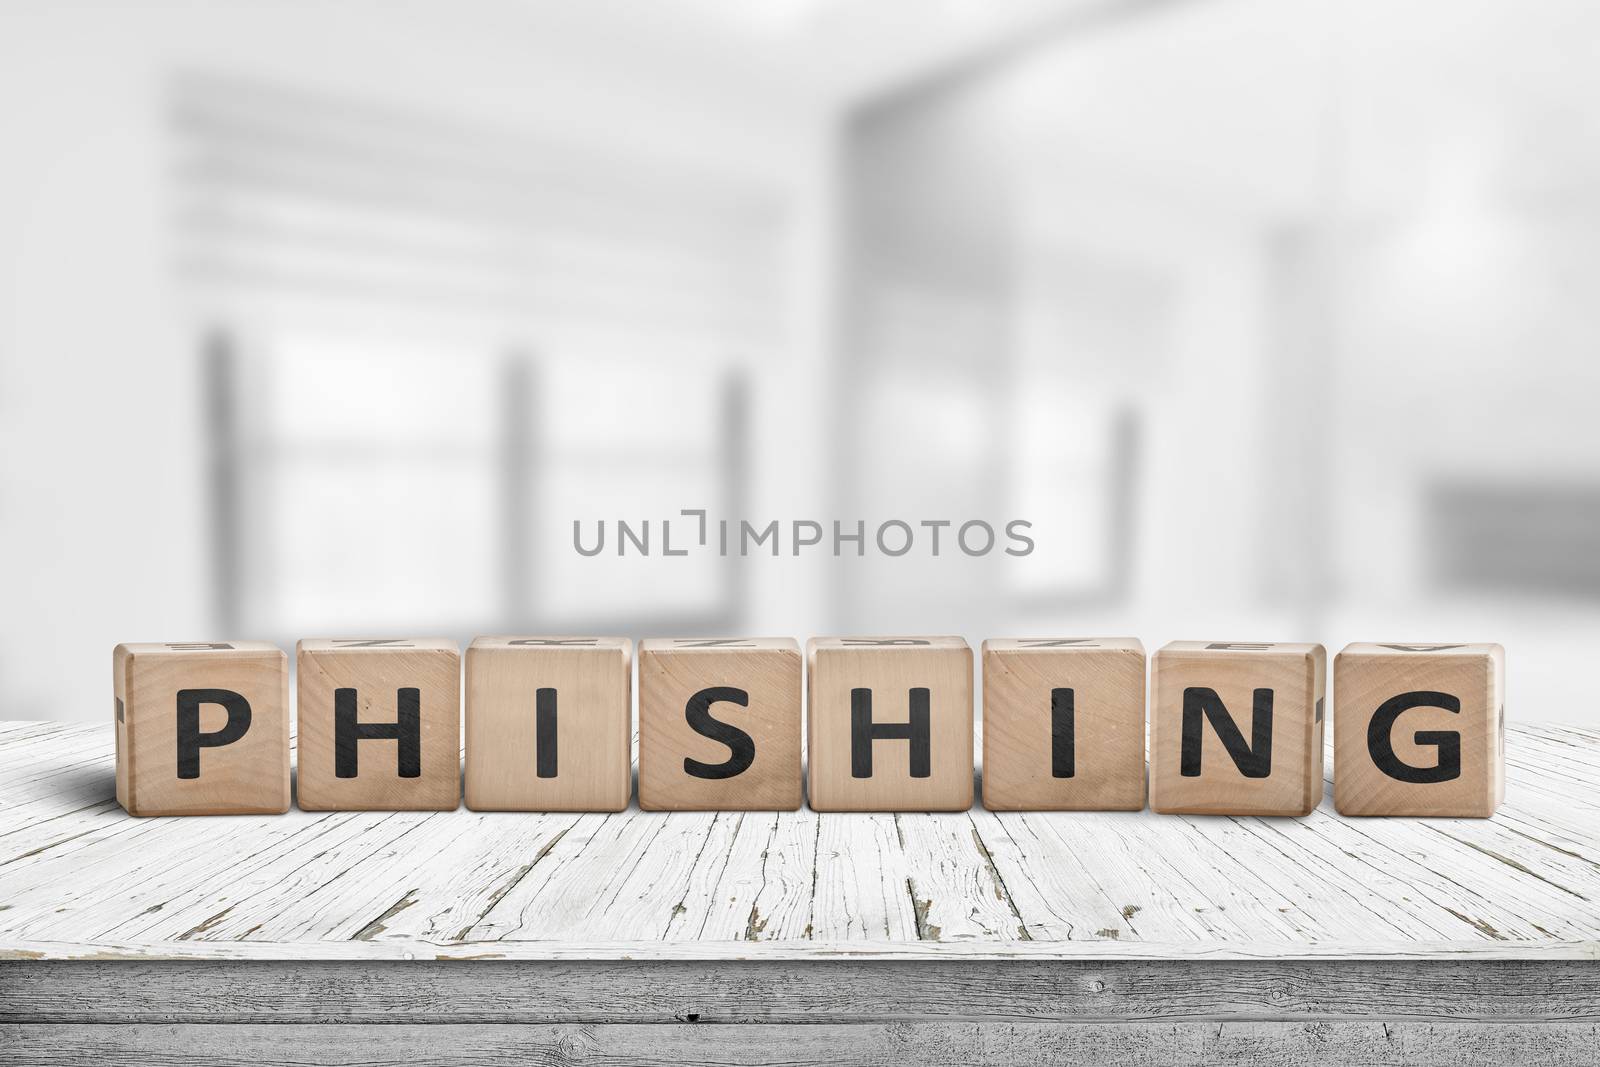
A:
{"x":719,"y":724}
{"x":890,"y":725}
{"x":202,"y":728}
{"x":549,"y":723}
{"x":1419,"y":729}
{"x":379,"y":724}
{"x":1236,"y":728}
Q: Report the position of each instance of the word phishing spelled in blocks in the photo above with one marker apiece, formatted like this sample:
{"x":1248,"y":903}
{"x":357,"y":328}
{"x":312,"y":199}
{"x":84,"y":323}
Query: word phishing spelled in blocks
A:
{"x":1234,"y":728}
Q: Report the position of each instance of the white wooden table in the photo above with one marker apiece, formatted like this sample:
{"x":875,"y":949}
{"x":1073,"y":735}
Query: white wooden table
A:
{"x":459,"y":937}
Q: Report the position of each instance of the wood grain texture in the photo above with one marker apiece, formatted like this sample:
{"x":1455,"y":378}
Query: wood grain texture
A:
{"x":1277,"y":775}
{"x":248,"y":774}
{"x":895,"y":672}
{"x":1377,"y":679}
{"x":378,"y":670}
{"x":766,"y":672}
{"x":1324,"y":1044}
{"x":590,"y":684}
{"x":1103,"y":679}
{"x":791,"y":991}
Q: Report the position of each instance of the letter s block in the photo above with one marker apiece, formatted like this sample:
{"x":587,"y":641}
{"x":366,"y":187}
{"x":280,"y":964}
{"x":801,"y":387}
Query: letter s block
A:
{"x":549,"y":723}
{"x":1236,"y":728}
{"x":890,"y":723}
{"x":379,"y":724}
{"x":1419,"y":729}
{"x":202,"y":728}
{"x":719,"y":724}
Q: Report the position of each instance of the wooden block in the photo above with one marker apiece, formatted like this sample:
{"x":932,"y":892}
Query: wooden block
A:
{"x":380,"y":724}
{"x":1236,"y":728}
{"x":890,"y":725}
{"x":1063,"y":724}
{"x":719,"y":724}
{"x":202,"y":728}
{"x":1419,"y":729}
{"x":549,"y":723}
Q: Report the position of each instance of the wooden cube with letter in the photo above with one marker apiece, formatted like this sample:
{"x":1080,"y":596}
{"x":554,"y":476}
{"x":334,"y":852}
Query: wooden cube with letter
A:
{"x":719,"y":724}
{"x":890,"y":723}
{"x":549,"y":723}
{"x":1236,"y":728}
{"x":202,"y":728}
{"x":379,"y":724}
{"x":1063,"y":724}
{"x":1419,"y":729}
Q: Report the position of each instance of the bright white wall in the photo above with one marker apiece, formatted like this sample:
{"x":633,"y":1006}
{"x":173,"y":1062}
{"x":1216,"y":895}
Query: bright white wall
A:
{"x":102,"y":490}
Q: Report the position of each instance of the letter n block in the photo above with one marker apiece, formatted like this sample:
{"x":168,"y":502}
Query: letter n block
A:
{"x":549,"y":723}
{"x":890,"y":725}
{"x":379,"y":724}
{"x":1063,"y":724}
{"x":1236,"y":728}
{"x":202,"y":728}
{"x":719,"y":724}
{"x":1419,"y":729}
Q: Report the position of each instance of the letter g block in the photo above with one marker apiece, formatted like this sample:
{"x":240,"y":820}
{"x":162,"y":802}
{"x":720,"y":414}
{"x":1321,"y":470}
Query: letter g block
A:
{"x":202,"y":728}
{"x":1419,"y":729}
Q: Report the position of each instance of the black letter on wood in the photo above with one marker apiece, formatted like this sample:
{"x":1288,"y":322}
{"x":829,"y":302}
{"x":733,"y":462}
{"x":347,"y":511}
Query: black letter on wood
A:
{"x":544,"y":733}
{"x":407,"y":729}
{"x":1253,"y":760}
{"x":191,"y":740}
{"x":741,"y":746}
{"x":1063,"y":739}
{"x":863,"y":731}
{"x":1380,"y":739}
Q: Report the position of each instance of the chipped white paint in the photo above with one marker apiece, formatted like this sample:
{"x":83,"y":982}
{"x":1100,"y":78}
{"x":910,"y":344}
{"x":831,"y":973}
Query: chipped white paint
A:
{"x":79,"y":879}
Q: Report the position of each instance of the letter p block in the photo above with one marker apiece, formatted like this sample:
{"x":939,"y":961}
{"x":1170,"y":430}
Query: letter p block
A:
{"x":202,"y":728}
{"x":891,"y":723}
{"x":1419,"y":729}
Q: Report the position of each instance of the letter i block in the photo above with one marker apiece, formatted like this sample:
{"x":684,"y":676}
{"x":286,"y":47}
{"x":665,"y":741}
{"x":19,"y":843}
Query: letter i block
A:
{"x":202,"y":728}
{"x":890,"y":725}
{"x":719,"y":724}
{"x":1419,"y":729}
{"x":1236,"y":728}
{"x":380,"y":724}
{"x":549,"y":723}
{"x":1063,"y":724}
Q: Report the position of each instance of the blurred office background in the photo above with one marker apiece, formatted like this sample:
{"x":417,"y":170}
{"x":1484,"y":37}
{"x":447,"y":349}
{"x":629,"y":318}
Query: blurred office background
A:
{"x":1277,"y":318}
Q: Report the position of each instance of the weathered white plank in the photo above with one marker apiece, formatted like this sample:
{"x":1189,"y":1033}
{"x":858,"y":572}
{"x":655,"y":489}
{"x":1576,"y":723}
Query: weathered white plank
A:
{"x":508,"y":915}
{"x":724,"y":879}
{"x":862,"y":888}
{"x":405,"y":949}
{"x":783,"y":904}
{"x":77,"y":876}
{"x":594,"y":872}
{"x":649,"y":886}
{"x":957,"y":892}
{"x":164,"y":888}
{"x":452,"y":893}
